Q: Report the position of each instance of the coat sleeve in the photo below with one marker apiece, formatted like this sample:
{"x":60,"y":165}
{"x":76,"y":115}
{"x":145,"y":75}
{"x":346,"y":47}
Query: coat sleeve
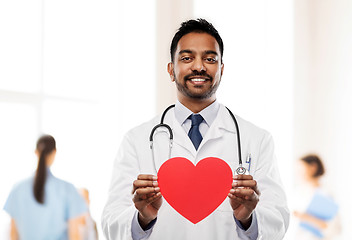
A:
{"x":272,"y":211}
{"x":119,"y":209}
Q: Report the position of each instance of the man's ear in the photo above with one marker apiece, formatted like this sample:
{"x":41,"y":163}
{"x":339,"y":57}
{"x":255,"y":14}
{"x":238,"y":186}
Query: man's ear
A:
{"x":170,"y":70}
{"x":222,"y":68}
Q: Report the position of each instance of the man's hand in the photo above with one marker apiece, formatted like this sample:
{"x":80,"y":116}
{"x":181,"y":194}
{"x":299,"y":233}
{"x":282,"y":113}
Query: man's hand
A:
{"x":244,"y":197}
{"x":147,"y":198}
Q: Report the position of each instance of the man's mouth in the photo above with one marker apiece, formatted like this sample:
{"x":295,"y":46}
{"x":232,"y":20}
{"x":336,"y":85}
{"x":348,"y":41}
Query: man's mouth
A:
{"x":198,"y":79}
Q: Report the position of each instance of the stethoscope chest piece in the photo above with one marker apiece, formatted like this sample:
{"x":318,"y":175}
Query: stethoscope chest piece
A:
{"x":241,"y":170}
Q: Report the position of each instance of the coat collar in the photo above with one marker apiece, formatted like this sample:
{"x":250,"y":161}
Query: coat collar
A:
{"x":222,"y":123}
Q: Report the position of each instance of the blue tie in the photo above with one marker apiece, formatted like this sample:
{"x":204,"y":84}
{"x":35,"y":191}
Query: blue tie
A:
{"x":194,"y":133}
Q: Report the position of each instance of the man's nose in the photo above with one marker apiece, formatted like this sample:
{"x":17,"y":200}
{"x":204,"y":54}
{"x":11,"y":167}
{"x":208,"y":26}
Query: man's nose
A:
{"x":198,"y":65}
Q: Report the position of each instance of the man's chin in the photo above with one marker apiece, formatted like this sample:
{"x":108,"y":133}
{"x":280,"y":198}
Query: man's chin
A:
{"x":199,"y":96}
{"x":199,"y":92}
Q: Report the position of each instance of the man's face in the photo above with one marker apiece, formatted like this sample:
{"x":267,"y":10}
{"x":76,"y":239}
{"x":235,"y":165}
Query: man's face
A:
{"x":196,"y":68}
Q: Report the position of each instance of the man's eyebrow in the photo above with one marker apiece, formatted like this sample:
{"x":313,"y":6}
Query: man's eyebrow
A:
{"x":185,"y":51}
{"x":211,"y":52}
{"x":205,"y":52}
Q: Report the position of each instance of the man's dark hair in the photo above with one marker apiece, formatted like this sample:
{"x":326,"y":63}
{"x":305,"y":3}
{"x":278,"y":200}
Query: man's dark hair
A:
{"x":199,"y":26}
{"x":315,"y":160}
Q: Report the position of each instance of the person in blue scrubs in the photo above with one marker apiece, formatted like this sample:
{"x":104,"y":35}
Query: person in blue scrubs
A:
{"x":317,"y":211}
{"x":43,"y":206}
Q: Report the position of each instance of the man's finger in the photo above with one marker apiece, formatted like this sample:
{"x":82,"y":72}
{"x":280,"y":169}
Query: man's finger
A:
{"x":143,"y":183}
{"x":243,"y":177}
{"x":153,"y":198}
{"x":237,"y":199}
{"x":147,"y":177}
{"x":147,"y":190}
{"x":246,"y":193}
{"x":245,"y":183}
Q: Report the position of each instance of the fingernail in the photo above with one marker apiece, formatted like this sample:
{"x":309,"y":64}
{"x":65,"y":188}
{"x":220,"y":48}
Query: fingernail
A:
{"x":155,"y":178}
{"x":235,"y":177}
{"x":155,"y":184}
{"x":235,"y":184}
{"x":232,"y":191}
{"x":157,"y":189}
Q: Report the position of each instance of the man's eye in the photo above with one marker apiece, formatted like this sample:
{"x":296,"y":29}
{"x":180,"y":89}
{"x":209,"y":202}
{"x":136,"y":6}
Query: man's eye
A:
{"x":185,"y":58}
{"x":209,"y":59}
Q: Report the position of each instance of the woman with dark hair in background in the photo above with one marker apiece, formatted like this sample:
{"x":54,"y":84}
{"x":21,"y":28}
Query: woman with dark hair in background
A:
{"x":43,"y":206}
{"x":318,"y":219}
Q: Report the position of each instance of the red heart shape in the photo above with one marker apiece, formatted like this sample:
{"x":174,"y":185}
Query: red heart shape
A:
{"x":195,"y":191}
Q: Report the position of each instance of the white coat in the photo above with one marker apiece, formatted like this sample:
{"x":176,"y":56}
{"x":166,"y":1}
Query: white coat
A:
{"x":135,"y":157}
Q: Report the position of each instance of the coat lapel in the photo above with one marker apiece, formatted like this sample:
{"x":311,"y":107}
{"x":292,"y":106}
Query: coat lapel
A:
{"x":180,"y":136}
{"x":223,"y":123}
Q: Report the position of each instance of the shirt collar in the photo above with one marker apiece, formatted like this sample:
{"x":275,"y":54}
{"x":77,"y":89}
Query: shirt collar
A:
{"x":209,"y":113}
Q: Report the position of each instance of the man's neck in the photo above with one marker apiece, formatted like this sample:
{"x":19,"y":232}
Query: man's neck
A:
{"x":196,"y":105}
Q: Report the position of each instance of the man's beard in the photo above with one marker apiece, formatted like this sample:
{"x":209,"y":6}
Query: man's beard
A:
{"x":183,"y":88}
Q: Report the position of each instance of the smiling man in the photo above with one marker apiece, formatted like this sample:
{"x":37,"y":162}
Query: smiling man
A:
{"x":196,"y":68}
{"x":255,"y":205}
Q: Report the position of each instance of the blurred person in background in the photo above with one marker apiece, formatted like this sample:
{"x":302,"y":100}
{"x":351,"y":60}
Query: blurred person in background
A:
{"x":316,"y":212}
{"x":88,"y":227}
{"x":43,"y":206}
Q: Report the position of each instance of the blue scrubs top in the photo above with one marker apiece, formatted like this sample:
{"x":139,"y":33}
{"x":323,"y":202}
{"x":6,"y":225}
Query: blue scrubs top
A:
{"x":49,"y":220}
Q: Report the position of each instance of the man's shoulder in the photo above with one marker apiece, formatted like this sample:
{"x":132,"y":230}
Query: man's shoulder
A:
{"x":144,"y":127}
{"x":248,"y":126}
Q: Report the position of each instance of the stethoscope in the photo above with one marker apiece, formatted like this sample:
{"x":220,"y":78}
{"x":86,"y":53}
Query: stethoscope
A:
{"x":240,"y":170}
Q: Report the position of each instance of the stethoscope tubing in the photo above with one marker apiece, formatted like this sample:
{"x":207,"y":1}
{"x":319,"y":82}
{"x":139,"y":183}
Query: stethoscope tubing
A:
{"x":238,"y":137}
{"x":239,"y":170}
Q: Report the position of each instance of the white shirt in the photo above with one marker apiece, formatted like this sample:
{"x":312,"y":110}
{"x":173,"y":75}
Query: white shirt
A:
{"x":209,"y":114}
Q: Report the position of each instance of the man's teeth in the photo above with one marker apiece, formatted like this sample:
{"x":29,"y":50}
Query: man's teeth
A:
{"x":198,"y":80}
